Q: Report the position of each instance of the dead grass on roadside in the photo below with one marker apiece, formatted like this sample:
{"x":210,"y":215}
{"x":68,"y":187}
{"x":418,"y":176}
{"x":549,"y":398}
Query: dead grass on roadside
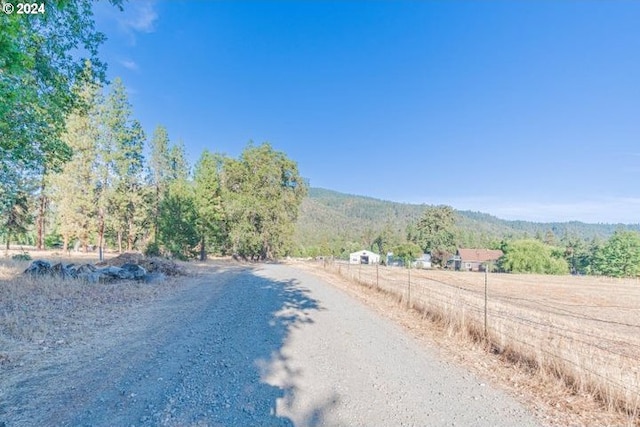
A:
{"x":557,"y":392}
{"x":51,"y":311}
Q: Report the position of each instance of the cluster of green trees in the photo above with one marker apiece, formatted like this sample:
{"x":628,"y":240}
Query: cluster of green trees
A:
{"x":109,"y":194}
{"x":440,"y":230}
{"x":73,"y":165}
{"x":437,"y":232}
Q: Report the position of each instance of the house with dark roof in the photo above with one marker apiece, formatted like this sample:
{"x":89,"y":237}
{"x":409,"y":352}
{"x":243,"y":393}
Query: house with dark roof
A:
{"x":474,"y":259}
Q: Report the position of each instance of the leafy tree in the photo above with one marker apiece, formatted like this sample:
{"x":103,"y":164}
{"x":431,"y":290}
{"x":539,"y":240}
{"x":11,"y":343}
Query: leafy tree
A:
{"x":41,"y":59}
{"x":532,"y":256}
{"x":550,"y":238}
{"x":19,"y":218}
{"x":436,"y":232}
{"x":620,"y":256}
{"x":262,"y":192}
{"x":408,"y":252}
{"x":577,"y":254}
{"x":208,"y":200}
{"x":177,"y":229}
{"x":387,"y":238}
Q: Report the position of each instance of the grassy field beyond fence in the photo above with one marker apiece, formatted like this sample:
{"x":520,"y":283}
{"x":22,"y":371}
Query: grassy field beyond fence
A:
{"x":582,"y":329}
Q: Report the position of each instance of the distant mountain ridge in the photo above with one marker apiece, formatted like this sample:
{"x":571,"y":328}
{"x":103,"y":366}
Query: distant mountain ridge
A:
{"x":330,"y":216}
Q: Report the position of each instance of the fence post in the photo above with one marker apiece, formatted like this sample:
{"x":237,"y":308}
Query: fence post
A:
{"x":409,"y":290}
{"x":486,"y":274}
{"x":377,"y":276}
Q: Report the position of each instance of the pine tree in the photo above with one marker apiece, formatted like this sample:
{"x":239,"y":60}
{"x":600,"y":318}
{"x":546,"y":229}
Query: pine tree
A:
{"x":208,"y":200}
{"x":73,"y":188}
{"x":159,"y":173}
{"x":125,"y":137}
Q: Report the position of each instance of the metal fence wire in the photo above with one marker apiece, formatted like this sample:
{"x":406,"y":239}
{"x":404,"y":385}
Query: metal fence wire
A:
{"x":584,"y":328}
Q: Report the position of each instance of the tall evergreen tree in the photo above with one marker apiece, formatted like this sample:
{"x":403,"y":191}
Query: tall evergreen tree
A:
{"x":125,"y":137}
{"x":208,"y":201}
{"x":159,"y":172}
{"x":74,"y":186}
{"x":436,"y":232}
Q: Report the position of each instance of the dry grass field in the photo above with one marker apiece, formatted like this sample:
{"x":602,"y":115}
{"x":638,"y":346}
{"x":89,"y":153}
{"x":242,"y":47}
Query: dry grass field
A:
{"x":41,"y":313}
{"x":584,"y":331}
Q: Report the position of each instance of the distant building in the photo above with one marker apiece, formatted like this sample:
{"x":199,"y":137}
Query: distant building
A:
{"x":474,"y":259}
{"x":364,"y":257}
{"x":423,"y":262}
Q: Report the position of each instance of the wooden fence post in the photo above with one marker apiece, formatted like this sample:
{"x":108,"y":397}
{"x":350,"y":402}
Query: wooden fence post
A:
{"x":485,"y":301}
{"x":409,"y":290}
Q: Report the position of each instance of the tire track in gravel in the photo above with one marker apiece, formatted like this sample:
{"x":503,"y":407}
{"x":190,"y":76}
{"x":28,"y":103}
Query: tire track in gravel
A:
{"x":267,"y":345}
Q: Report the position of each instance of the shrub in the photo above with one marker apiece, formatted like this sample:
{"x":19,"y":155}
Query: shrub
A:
{"x":152,"y":250}
{"x":24,"y":256}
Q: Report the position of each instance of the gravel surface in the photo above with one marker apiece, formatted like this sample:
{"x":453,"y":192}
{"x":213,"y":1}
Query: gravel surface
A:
{"x":240,"y":346}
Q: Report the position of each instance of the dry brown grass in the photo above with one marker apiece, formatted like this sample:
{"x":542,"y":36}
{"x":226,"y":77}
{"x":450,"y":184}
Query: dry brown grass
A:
{"x":45,"y":312}
{"x":577,"y":334}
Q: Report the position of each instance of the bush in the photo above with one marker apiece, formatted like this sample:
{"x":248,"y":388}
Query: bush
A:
{"x":532,"y":256}
{"x":22,"y":257}
{"x":152,"y":250}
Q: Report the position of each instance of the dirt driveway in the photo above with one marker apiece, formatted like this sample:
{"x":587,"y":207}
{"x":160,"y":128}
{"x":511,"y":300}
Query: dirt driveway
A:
{"x":241,"y":346}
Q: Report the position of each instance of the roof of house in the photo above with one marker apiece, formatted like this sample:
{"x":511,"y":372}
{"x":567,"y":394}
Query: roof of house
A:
{"x":479,"y":255}
{"x":364,"y":252}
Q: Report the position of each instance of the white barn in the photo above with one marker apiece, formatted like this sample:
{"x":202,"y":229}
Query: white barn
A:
{"x":364,"y":257}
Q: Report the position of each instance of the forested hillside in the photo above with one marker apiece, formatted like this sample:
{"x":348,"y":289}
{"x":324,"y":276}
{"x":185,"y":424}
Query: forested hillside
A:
{"x":335,"y":222}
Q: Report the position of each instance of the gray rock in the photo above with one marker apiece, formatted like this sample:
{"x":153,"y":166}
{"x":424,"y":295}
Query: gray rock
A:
{"x":85,"y":269}
{"x":90,"y":272}
{"x":60,"y":270}
{"x":137,"y":271}
{"x":115,"y":272}
{"x":39,"y":267}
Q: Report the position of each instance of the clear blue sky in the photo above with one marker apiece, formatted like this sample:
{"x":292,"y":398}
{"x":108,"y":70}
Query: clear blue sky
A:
{"x":524,"y":110}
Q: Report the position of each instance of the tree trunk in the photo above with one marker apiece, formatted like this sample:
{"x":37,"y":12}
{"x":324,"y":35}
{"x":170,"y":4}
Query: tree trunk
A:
{"x":130,"y":237}
{"x":119,"y":242}
{"x":155,"y":220}
{"x":8,"y":240}
{"x":65,"y":243}
{"x":203,"y":251}
{"x":100,"y":235}
{"x":42,"y":208}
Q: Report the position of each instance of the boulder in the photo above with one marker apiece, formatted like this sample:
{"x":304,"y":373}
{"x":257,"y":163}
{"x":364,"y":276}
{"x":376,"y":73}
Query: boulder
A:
{"x":61,"y":270}
{"x":135,"y":270}
{"x":39,"y":268}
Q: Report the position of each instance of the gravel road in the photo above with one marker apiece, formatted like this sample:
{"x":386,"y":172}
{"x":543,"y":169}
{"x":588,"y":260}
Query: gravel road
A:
{"x":261,"y":346}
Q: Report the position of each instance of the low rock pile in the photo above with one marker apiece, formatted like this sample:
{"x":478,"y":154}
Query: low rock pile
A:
{"x":151,"y":264}
{"x":128,"y":266}
{"x":89,"y":272}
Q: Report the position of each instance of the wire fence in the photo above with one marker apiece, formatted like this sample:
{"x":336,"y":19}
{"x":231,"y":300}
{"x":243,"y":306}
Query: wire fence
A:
{"x":585,"y":330}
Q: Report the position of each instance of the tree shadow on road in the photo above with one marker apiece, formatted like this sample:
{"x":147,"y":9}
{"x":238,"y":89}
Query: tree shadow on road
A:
{"x":202,"y":358}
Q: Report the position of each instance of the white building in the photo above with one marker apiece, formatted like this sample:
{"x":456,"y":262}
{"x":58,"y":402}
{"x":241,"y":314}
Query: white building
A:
{"x":423,"y":262}
{"x":364,"y":257}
